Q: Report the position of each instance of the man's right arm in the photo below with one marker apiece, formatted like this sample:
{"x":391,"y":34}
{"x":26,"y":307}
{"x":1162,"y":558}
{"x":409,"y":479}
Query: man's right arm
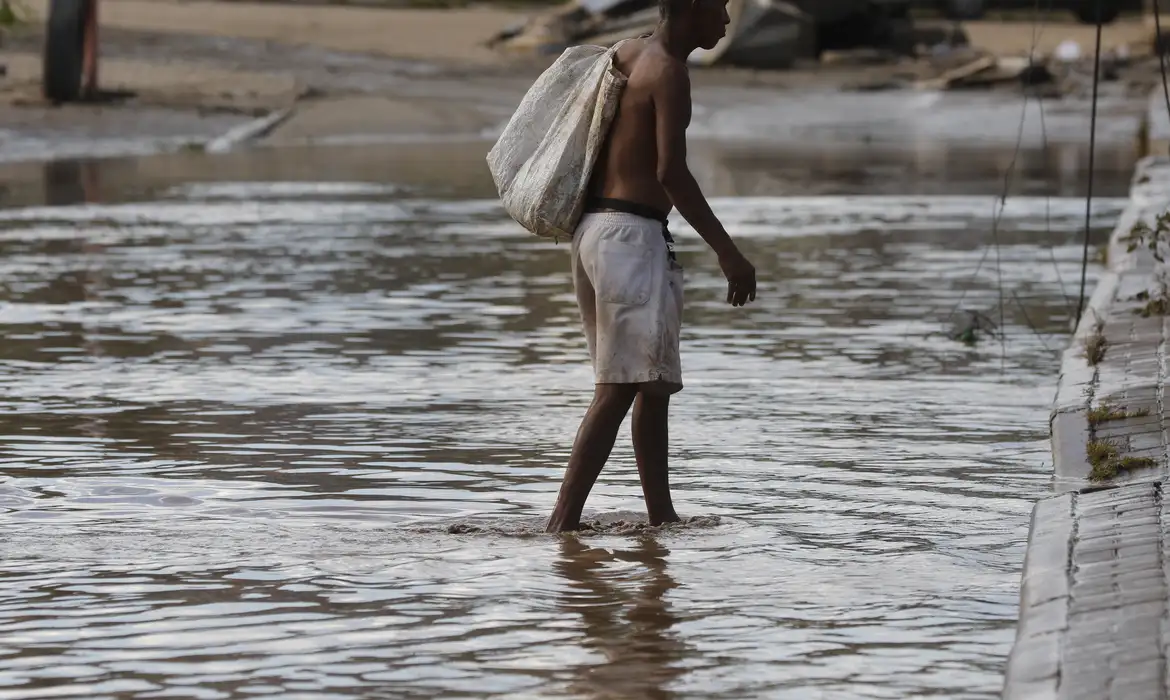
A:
{"x":672,"y":113}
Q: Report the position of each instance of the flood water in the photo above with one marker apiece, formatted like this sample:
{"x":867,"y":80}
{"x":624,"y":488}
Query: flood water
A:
{"x":239,"y":420}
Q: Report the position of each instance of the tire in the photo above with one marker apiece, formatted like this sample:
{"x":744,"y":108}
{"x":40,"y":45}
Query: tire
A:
{"x":64,"y":53}
{"x":1087,"y":11}
{"x":963,"y":9}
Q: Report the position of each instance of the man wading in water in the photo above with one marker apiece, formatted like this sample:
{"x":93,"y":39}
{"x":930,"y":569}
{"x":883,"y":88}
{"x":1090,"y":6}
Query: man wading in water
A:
{"x":628,"y":284}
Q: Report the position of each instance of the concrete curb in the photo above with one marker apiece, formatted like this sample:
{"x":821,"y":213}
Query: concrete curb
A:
{"x":1033,"y":669}
{"x":1093,"y":594}
{"x":1081,"y":385}
{"x":1094,"y":599}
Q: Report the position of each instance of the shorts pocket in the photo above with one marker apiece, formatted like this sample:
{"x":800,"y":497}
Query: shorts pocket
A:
{"x":623,"y":274}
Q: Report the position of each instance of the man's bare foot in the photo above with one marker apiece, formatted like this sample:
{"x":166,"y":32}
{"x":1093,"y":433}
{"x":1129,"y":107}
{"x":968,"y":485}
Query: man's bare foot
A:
{"x":595,"y":438}
{"x":671,"y":518}
{"x":556,"y":525}
{"x":556,"y":528}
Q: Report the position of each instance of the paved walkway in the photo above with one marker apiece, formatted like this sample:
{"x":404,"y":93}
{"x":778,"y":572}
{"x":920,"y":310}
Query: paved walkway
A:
{"x":1094,"y":606}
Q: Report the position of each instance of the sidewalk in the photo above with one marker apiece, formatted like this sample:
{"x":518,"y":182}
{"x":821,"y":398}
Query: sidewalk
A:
{"x":1093,"y":599}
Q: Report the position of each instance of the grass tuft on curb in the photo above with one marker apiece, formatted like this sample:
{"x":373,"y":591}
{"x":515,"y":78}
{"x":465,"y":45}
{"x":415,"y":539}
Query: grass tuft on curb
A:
{"x":1095,"y":345}
{"x":1107,"y":412}
{"x":1107,"y":462}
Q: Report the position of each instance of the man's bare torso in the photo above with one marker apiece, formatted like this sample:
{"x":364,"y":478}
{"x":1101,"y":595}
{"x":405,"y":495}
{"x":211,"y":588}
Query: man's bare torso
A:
{"x":627,"y":167}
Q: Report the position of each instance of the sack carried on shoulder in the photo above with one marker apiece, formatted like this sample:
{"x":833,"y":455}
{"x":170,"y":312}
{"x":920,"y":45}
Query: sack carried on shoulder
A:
{"x":543,"y":160}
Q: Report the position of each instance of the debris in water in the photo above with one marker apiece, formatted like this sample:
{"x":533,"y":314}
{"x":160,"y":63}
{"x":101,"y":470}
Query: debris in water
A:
{"x":969,"y":328}
{"x":623,"y":523}
{"x":462,"y":529}
{"x":623,"y":526}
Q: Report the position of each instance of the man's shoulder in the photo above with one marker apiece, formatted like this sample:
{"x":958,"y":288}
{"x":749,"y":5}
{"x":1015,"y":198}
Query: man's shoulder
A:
{"x":657,"y":68}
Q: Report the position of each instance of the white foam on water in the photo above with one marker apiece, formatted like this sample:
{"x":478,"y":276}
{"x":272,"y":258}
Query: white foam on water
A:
{"x":280,"y":204}
{"x":278,"y":190}
{"x":610,"y":523}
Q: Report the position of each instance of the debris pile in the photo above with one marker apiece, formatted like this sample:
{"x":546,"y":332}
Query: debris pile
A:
{"x":957,"y":66}
{"x":761,"y":34}
{"x":779,"y":34}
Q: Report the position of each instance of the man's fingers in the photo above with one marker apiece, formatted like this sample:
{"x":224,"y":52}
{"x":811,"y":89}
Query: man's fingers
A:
{"x":739,"y":293}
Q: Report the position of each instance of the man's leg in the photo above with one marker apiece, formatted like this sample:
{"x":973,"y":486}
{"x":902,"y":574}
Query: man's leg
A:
{"x":651,"y":441}
{"x":595,"y":439}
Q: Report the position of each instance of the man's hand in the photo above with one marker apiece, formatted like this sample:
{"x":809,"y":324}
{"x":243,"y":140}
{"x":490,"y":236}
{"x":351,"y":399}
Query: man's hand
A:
{"x":741,"y":278}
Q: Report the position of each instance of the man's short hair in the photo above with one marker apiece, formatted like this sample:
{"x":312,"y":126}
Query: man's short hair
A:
{"x":672,"y":8}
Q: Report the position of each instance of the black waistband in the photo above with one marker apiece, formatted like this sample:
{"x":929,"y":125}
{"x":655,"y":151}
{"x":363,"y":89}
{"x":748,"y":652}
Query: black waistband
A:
{"x":603,"y":204}
{"x":626,"y":207}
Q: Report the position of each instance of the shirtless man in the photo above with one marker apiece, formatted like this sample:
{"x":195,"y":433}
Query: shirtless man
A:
{"x":628,"y":284}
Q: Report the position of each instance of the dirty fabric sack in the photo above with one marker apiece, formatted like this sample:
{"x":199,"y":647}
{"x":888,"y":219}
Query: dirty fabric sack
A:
{"x":542,"y":161}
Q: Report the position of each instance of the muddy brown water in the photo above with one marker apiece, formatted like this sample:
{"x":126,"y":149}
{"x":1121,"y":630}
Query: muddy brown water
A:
{"x":296,"y":435}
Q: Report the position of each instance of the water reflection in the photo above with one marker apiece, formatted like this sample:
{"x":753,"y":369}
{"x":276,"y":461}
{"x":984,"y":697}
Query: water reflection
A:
{"x":458,"y":170}
{"x":72,"y":181}
{"x":620,"y":597}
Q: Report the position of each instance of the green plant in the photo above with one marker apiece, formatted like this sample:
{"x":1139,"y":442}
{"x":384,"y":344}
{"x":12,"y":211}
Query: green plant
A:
{"x":1129,"y":464}
{"x":1095,"y":345}
{"x":1150,"y":237}
{"x":1108,"y":412}
{"x":1156,"y":304}
{"x":12,"y":13}
{"x":1106,"y":461}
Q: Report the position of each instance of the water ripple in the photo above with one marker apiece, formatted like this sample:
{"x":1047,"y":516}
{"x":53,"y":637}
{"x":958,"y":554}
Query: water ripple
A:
{"x":299,"y":439}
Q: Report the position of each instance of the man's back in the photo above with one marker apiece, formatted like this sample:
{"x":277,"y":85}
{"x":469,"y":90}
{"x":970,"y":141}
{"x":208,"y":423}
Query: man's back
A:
{"x":627,"y":169}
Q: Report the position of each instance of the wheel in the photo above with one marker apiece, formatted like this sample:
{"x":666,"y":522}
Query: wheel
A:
{"x":68,"y":33}
{"x":1087,"y":11}
{"x":963,"y":9}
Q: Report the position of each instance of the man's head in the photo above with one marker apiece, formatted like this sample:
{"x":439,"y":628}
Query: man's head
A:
{"x":703,"y":21}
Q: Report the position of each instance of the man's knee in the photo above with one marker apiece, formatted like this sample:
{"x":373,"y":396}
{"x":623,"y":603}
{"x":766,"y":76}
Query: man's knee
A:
{"x":615,"y":396}
{"x":655,"y":394}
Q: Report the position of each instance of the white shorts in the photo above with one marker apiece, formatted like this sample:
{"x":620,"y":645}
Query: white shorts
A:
{"x":631,"y":297}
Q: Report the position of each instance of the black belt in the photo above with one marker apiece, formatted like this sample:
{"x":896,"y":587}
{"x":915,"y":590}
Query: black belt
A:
{"x":604,"y":204}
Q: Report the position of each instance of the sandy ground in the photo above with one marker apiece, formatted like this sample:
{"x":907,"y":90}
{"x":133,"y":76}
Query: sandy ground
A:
{"x":352,"y":73}
{"x":426,"y":35}
{"x":171,"y":83}
{"x":1019,"y":38}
